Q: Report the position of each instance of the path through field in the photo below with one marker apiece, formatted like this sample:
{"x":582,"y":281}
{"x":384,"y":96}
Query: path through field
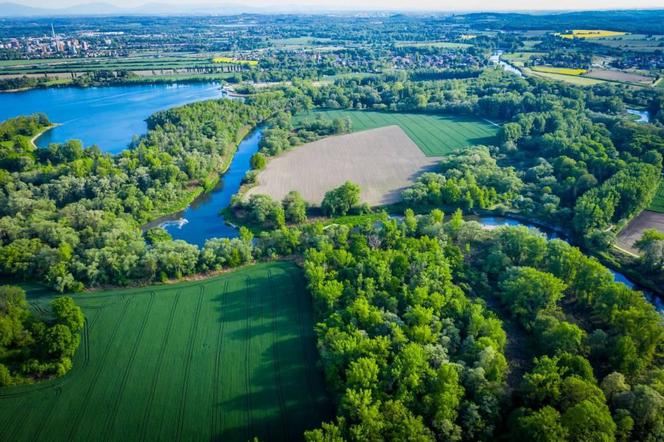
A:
{"x":227,"y":358}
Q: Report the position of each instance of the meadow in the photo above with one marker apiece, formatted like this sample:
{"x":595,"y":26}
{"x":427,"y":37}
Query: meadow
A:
{"x":435,"y":135}
{"x":226,"y":358}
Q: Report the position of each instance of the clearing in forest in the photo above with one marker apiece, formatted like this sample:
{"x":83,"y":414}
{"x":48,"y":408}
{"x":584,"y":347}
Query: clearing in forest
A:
{"x":226,"y":358}
{"x":435,"y":135}
{"x":382,"y":161}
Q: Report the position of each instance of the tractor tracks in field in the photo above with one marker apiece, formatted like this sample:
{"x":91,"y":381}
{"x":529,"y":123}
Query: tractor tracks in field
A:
{"x":217,"y":411}
{"x":276,"y":364}
{"x":247,"y":360}
{"x":102,"y":363}
{"x":308,"y":356}
{"x":187,"y":368}
{"x":125,"y":375}
{"x":155,"y":377}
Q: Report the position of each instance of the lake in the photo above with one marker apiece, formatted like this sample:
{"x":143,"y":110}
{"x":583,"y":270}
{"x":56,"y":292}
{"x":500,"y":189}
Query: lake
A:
{"x":105,"y":116}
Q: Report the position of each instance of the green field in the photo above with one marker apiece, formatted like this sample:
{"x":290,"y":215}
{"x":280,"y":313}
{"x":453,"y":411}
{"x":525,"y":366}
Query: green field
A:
{"x":657,"y":204}
{"x":435,"y":135}
{"x":227,"y":358}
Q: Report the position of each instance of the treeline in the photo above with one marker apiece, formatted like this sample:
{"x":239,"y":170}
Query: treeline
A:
{"x":36,"y":346}
{"x":409,"y":354}
{"x":24,"y":82}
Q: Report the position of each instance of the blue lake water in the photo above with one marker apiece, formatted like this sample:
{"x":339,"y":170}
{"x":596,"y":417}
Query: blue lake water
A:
{"x":202,"y":220}
{"x":105,"y":116}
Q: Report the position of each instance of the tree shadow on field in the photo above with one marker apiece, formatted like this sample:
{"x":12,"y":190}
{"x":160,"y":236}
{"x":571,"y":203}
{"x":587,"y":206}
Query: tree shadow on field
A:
{"x":282,"y":394}
{"x":283,"y":400}
{"x":483,"y":141}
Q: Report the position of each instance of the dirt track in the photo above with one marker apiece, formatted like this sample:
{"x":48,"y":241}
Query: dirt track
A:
{"x":382,"y":161}
{"x":634,"y":230}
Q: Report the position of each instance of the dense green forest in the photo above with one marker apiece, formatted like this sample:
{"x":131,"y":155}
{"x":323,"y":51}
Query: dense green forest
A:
{"x":413,"y":350}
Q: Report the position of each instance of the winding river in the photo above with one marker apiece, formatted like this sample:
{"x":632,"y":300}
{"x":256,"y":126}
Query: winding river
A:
{"x":492,"y":222}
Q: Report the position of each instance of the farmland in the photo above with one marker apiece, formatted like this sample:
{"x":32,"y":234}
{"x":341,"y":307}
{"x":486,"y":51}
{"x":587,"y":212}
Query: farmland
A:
{"x":435,"y":135}
{"x":227,"y":358}
{"x":561,"y":71}
{"x":591,"y":33}
{"x":381,"y":161}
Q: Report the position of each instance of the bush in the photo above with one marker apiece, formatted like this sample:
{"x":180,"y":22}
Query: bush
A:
{"x":339,"y":201}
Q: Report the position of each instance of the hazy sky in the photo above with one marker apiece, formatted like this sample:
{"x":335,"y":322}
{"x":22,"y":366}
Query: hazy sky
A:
{"x":443,"y":5}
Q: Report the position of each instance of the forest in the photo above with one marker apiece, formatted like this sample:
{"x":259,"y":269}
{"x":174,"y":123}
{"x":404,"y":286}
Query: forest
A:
{"x":412,"y":347}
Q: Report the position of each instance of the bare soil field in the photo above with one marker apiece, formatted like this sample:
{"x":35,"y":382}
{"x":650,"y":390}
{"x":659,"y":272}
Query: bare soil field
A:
{"x":612,"y":75}
{"x":382,"y":161}
{"x":634,"y":230}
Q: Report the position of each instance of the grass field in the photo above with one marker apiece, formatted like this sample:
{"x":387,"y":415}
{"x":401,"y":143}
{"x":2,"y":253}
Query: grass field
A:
{"x":435,"y":135}
{"x":572,"y":79}
{"x":561,"y":71}
{"x":227,"y":358}
{"x":657,"y":204}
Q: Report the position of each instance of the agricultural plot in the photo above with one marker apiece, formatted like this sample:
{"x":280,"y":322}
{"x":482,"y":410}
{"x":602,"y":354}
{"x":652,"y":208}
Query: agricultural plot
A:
{"x":227,"y":358}
{"x":634,"y":230}
{"x":435,"y":135}
{"x":620,"y":76}
{"x":381,"y":161}
{"x":591,"y":33}
{"x":561,"y":71}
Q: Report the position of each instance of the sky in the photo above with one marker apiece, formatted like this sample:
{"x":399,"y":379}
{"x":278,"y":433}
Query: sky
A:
{"x":439,"y":5}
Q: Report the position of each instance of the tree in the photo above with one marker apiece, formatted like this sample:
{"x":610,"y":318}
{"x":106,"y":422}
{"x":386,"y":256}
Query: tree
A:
{"x":527,"y":291}
{"x":542,"y":425}
{"x":68,"y":313}
{"x":651,"y":246}
{"x":258,"y":161}
{"x":340,"y":201}
{"x":295,"y":208}
{"x":589,"y":421}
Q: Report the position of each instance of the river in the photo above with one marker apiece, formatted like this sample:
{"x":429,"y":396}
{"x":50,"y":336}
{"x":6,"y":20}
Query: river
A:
{"x":492,"y":222}
{"x":495,"y":59}
{"x":106,"y":116}
{"x":202,"y":219}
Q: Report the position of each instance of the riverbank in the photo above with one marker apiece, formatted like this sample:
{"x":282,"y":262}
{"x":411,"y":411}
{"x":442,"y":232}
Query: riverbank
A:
{"x":173,"y":212}
{"x":33,"y":140}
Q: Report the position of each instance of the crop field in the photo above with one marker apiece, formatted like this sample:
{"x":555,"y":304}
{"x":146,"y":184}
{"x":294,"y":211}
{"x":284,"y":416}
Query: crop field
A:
{"x":620,"y":76}
{"x":591,"y":33}
{"x":561,"y":71}
{"x":383,"y":162}
{"x":227,"y":358}
{"x":435,"y":135}
{"x":634,"y":230}
{"x":577,"y":80}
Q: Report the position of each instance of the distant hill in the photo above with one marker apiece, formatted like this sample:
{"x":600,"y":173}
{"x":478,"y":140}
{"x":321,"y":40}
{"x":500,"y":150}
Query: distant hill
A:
{"x":92,"y":9}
